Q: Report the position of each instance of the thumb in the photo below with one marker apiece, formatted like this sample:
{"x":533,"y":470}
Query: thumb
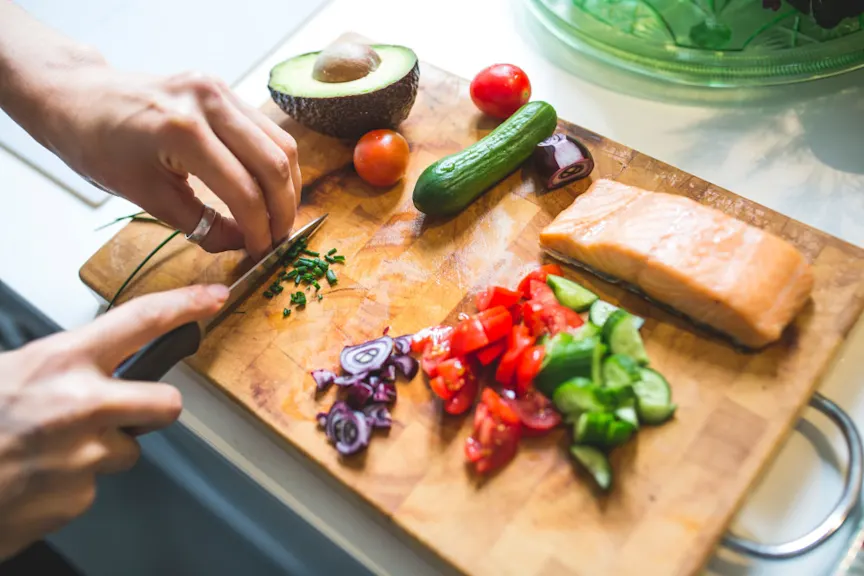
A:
{"x":121,"y":332}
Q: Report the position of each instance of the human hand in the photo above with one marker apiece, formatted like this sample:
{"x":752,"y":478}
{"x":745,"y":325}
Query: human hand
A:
{"x":63,"y":419}
{"x":140,"y":137}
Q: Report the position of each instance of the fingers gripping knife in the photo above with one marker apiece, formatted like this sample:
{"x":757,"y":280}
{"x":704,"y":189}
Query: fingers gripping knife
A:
{"x":160,"y":355}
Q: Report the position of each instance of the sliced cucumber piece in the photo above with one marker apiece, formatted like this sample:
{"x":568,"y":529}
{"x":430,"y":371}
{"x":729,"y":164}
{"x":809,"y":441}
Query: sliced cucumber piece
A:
{"x":587,"y":330}
{"x":627,"y":413}
{"x":655,"y":413}
{"x":620,"y":370}
{"x":653,"y":397}
{"x":570,"y":293}
{"x":652,"y":387}
{"x":565,"y":358}
{"x":602,"y":429}
{"x":595,"y":462}
{"x":576,"y":396}
{"x":623,"y":337}
{"x":597,"y":364}
{"x":600,"y":312}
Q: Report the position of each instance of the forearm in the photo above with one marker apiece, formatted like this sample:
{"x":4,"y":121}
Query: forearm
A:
{"x":34,"y":62}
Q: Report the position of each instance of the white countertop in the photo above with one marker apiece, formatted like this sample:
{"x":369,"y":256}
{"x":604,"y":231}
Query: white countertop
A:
{"x":795,"y":149}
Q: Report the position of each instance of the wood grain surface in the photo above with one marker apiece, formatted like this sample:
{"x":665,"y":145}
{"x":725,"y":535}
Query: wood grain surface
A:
{"x":677,"y":486}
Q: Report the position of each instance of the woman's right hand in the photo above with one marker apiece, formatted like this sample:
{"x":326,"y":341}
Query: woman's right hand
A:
{"x":63,"y":419}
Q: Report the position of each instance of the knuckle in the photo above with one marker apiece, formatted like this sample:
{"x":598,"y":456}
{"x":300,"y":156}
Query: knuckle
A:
{"x":183,"y":126}
{"x":281,"y":166}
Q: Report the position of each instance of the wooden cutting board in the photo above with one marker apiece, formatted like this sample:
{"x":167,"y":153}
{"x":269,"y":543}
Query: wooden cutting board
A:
{"x":677,"y":486}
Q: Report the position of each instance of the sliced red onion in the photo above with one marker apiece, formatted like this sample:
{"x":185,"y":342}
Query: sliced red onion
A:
{"x":385,"y":392}
{"x":389,"y":371}
{"x":351,"y":379}
{"x":373,"y":380}
{"x":337,"y":412}
{"x":323,"y":379}
{"x":378,"y":415}
{"x":359,"y":394}
{"x":352,"y":433}
{"x":406,"y":364}
{"x":561,"y":159}
{"x":321,"y":417}
{"x":402,"y":344}
{"x":366,"y":357}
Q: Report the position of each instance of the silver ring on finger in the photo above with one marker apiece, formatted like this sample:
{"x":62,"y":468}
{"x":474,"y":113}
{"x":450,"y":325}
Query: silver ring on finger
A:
{"x":203,"y":227}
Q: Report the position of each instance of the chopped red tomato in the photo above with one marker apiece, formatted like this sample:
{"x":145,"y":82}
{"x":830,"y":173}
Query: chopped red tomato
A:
{"x":468,"y":336}
{"x":496,"y":296}
{"x":491,"y":352}
{"x":496,"y":322}
{"x":497,"y":430}
{"x":540,"y":275}
{"x":423,"y":337}
{"x":436,"y":351}
{"x":516,"y":313}
{"x":559,"y":318}
{"x":541,"y":292}
{"x":529,"y":367}
{"x":536,"y":412}
{"x":532,"y":317}
{"x":520,"y":339}
{"x":464,"y":398}
{"x":456,"y":384}
{"x":498,"y":408}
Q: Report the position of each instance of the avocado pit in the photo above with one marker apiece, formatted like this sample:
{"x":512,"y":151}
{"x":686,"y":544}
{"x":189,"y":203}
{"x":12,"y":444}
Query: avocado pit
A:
{"x":344,"y":62}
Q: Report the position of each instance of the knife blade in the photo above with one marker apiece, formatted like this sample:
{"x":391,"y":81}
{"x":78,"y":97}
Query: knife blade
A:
{"x":152,"y":361}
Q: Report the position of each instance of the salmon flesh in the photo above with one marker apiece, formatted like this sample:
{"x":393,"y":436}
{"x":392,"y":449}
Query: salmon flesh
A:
{"x":715,"y":269}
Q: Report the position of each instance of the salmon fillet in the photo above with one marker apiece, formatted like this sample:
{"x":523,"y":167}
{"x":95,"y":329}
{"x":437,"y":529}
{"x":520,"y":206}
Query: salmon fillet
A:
{"x":719,"y":271}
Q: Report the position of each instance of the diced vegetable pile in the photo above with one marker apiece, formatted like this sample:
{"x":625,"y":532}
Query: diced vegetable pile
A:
{"x":550,"y":352}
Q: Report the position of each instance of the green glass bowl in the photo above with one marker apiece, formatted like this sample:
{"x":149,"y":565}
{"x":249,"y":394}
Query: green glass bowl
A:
{"x":724,"y":43}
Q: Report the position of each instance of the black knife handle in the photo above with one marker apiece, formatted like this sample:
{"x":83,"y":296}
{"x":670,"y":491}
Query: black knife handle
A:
{"x":160,"y":355}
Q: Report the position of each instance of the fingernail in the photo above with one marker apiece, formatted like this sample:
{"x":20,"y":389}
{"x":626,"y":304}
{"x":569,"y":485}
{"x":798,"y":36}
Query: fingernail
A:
{"x":218,"y":291}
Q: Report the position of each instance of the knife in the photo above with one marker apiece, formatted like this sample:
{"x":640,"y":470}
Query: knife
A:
{"x":152,"y":361}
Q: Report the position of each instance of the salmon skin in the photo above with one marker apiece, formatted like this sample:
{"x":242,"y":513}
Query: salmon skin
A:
{"x":716,"y":270}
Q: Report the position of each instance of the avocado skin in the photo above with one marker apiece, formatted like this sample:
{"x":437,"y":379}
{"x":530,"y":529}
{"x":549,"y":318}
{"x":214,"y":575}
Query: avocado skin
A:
{"x":351,"y":116}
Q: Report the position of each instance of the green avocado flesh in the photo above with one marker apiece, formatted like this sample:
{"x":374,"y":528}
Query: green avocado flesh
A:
{"x":294,"y":76}
{"x":381,"y":99}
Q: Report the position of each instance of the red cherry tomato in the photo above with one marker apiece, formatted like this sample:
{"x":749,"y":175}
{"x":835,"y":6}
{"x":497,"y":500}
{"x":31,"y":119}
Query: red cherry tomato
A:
{"x":540,"y":275}
{"x":423,"y":337}
{"x":496,"y":322}
{"x":501,"y":89}
{"x":496,"y":296}
{"x":381,"y":157}
{"x":491,"y":352}
{"x":520,"y":339}
{"x":468,"y":336}
{"x":497,"y":429}
{"x":464,"y":398}
{"x":437,"y":350}
{"x":536,"y":412}
{"x":529,"y":366}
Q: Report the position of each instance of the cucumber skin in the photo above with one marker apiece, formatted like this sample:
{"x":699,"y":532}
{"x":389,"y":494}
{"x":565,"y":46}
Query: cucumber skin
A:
{"x":455,"y":181}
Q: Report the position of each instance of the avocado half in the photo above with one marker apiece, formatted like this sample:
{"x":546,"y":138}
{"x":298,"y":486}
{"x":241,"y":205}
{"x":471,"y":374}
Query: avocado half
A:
{"x":382,"y":98}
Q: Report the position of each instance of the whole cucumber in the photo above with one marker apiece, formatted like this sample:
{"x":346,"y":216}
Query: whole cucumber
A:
{"x":453,"y":182}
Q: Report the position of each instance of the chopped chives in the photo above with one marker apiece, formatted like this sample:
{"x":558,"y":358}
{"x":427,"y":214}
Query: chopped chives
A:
{"x":339,"y":258}
{"x":330,"y":259}
{"x":318,"y":271}
{"x":268,"y":294}
{"x":310,"y":252}
{"x":291,"y":274}
{"x":297,"y":280}
{"x":331,"y":277}
{"x":316,"y":285}
{"x":286,"y":312}
{"x":331,"y":252}
{"x":320,"y":296}
{"x":324,"y":266}
{"x":306,"y":261}
{"x":308,"y":277}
